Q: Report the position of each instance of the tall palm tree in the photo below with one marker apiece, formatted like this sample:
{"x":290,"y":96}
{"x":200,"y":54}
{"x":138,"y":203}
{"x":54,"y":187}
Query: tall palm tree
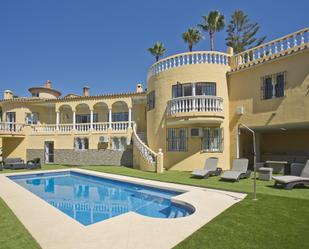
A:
{"x":192,"y":36}
{"x":212,"y":23}
{"x":157,"y":50}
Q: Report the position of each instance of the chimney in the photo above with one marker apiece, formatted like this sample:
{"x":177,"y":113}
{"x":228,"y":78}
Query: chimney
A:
{"x":86,"y":91}
{"x":139,"y":88}
{"x":48,"y":84}
{"x":8,"y":94}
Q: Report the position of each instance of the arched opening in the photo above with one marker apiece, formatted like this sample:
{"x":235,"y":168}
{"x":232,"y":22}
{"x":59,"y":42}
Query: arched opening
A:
{"x":66,"y":114}
{"x":82,"y":112}
{"x":120,"y":112}
{"x":100,"y":110}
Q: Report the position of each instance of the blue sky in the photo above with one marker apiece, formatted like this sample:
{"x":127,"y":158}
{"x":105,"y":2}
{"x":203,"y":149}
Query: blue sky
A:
{"x":103,"y":43}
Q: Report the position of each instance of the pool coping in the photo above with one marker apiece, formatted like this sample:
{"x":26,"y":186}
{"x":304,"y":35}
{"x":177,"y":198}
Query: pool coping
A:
{"x":129,"y":230}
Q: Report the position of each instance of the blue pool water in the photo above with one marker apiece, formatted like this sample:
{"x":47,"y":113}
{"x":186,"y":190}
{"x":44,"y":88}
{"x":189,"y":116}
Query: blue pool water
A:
{"x":89,"y":199}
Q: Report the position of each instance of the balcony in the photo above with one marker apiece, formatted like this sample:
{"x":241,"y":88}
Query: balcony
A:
{"x":283,"y":46}
{"x":195,"y":106}
{"x":104,"y":127}
{"x":189,"y":58}
{"x":8,"y":129}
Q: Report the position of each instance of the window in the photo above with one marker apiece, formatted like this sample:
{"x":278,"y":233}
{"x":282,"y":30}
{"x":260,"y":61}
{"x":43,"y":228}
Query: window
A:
{"x":177,"y":139}
{"x":279,"y":87}
{"x":119,"y":116}
{"x":85,"y":118}
{"x":81,"y":143}
{"x":273,"y":86}
{"x":212,"y":140}
{"x":151,"y":100}
{"x":119,"y":143}
{"x":35,"y":94}
{"x":201,"y":88}
{"x":32,"y":118}
{"x":205,"y":89}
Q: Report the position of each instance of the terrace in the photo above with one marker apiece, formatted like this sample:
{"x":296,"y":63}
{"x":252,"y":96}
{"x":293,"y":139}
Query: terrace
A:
{"x":259,"y":218}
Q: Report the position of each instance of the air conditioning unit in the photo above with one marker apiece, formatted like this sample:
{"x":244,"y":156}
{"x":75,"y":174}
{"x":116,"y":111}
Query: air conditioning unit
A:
{"x":196,"y":132}
{"x":104,"y":139}
{"x":240,"y":110}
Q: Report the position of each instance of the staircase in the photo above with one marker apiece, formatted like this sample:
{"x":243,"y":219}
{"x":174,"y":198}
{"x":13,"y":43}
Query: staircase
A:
{"x":143,"y":137}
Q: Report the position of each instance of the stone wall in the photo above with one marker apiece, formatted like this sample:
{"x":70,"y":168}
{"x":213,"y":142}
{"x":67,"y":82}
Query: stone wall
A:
{"x":88,"y":157}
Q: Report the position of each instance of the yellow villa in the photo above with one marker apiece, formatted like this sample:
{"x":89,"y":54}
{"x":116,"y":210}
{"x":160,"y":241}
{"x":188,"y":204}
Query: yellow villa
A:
{"x":192,"y":109}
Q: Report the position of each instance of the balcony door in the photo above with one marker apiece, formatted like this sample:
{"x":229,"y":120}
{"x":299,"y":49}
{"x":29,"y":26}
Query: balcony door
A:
{"x":49,"y":151}
{"x":11,"y":119}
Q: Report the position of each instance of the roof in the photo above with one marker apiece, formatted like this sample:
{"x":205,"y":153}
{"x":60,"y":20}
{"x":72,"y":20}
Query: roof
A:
{"x":57,"y":93}
{"x":65,"y":98}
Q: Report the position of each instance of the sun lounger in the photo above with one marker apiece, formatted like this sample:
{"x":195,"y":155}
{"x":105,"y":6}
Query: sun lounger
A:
{"x":289,"y":181}
{"x":238,"y":171}
{"x":210,"y":168}
{"x":13,"y":163}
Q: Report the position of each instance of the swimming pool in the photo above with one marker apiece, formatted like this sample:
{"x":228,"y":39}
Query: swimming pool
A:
{"x":90,"y":199}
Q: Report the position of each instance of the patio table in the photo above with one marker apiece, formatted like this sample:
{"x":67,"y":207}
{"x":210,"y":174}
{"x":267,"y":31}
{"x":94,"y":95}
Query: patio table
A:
{"x":278,"y":166}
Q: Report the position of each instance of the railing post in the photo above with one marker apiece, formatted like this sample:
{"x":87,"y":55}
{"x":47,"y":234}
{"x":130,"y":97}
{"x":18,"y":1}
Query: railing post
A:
{"x":159,"y":168}
{"x":110,"y":118}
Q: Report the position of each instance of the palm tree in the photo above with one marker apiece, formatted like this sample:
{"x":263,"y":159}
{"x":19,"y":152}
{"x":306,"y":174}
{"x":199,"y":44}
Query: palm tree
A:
{"x":157,"y":50}
{"x":192,"y":36}
{"x":214,"y":22}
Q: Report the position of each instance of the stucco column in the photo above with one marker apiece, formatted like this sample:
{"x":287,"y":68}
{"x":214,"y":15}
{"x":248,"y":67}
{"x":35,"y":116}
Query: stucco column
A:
{"x":74,"y":120}
{"x":110,"y":118}
{"x":159,"y":168}
{"x":193,"y":100}
{"x":57,"y":120}
{"x":130,"y":117}
{"x":91,"y":119}
{"x":238,"y":143}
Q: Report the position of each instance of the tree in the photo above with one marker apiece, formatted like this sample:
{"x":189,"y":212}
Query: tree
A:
{"x":212,"y":23}
{"x":241,"y":33}
{"x":192,"y":36}
{"x":157,"y":50}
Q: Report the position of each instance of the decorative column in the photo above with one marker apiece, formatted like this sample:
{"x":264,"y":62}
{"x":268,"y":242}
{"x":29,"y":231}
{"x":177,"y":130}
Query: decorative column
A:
{"x":109,"y":118}
{"x":193,"y":100}
{"x":91,"y":120}
{"x":74,"y":119}
{"x":130,"y":117}
{"x":57,"y":120}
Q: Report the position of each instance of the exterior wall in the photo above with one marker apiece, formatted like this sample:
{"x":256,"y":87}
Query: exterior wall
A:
{"x":290,"y":111}
{"x":88,"y":157}
{"x":157,"y":120}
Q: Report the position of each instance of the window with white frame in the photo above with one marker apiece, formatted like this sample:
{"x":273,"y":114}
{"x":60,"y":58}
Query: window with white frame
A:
{"x":85,"y":118}
{"x":212,"y":139}
{"x":81,"y":143}
{"x":32,"y":118}
{"x":177,"y":139}
{"x":273,"y":86}
{"x":119,"y":143}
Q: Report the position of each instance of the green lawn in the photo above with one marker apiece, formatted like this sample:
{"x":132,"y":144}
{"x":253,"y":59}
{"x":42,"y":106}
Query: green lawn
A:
{"x":279,"y":219}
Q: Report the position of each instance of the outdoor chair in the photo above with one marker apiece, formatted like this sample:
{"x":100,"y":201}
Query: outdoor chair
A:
{"x":34,"y":164}
{"x":210,"y":168}
{"x":238,"y":171}
{"x":290,"y":181}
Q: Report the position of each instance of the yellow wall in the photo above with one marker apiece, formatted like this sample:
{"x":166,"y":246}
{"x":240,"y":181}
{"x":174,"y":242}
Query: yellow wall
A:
{"x":157,"y":120}
{"x":290,"y":111}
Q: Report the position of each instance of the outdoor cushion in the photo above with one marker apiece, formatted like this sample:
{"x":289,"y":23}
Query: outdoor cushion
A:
{"x":287,"y":179}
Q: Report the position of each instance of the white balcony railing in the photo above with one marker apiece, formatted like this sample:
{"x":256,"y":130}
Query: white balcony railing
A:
{"x":195,"y":104}
{"x":146,"y":153}
{"x":81,"y":127}
{"x":190,"y":58}
{"x":292,"y":42}
{"x":11,"y":127}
